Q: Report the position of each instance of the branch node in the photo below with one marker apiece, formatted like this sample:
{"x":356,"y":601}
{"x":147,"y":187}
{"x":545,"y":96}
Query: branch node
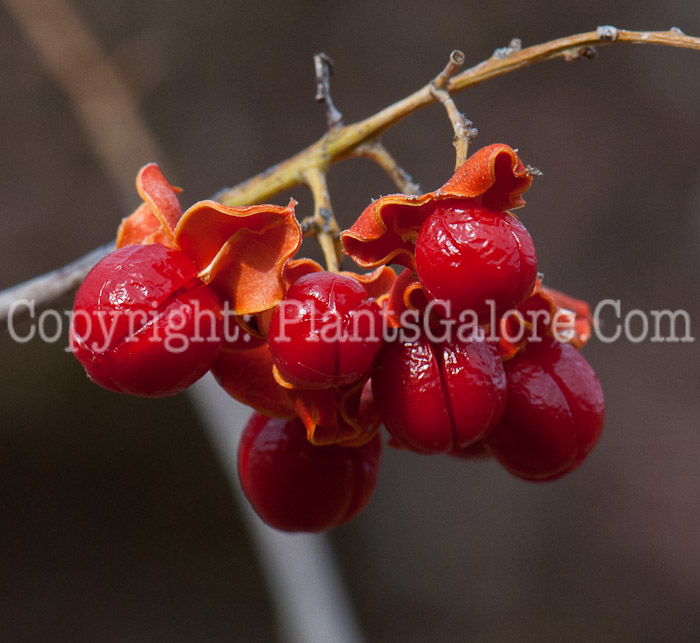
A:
{"x":513,"y":47}
{"x":579,"y":53}
{"x":40,"y":292}
{"x":324,"y":70}
{"x":309,"y":226}
{"x":607,"y":33}
{"x":326,"y":218}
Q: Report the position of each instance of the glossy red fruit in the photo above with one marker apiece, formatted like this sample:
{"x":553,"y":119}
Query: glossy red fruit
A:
{"x":144,"y":324}
{"x":296,"y":486}
{"x":554,"y":413}
{"x":326,"y":331}
{"x":438,"y":397}
{"x":469,"y":256}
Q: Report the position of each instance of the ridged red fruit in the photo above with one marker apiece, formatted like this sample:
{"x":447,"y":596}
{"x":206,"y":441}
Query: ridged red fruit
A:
{"x":438,"y":397}
{"x":296,"y":486}
{"x":554,"y":413}
{"x":326,"y":331}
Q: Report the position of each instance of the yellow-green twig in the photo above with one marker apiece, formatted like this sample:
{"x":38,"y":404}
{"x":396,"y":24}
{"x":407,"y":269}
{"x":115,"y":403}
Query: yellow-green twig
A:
{"x":341,"y":143}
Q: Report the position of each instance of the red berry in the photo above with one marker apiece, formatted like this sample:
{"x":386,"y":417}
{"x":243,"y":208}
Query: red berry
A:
{"x":144,"y":324}
{"x":247,"y":377}
{"x":296,"y":486}
{"x":554,"y":413}
{"x":468,"y":256}
{"x":438,"y":397}
{"x":326,"y":332}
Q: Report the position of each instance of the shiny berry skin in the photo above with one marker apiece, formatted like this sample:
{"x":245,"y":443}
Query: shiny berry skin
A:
{"x":468,"y":256}
{"x":438,"y":397}
{"x":143,"y":324}
{"x":296,"y":486}
{"x":554,"y":413}
{"x":326,"y":331}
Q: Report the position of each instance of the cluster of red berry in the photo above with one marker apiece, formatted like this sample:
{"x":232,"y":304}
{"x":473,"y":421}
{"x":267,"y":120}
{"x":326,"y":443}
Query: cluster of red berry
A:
{"x":463,"y":352}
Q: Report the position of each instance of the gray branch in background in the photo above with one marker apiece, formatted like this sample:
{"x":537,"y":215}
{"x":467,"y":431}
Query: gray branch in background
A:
{"x":33,"y":296}
{"x":100,"y":95}
{"x":308,"y":595}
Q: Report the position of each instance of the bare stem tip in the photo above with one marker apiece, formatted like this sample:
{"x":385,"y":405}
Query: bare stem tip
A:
{"x":323,"y":64}
{"x":454,"y":64}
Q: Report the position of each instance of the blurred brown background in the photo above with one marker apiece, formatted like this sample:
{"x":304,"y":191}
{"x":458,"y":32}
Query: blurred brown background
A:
{"x":116,"y":523}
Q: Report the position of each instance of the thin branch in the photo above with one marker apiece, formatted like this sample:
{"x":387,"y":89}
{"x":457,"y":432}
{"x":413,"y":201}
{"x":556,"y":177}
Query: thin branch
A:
{"x":324,"y":70}
{"x":376,"y":152}
{"x":324,"y":227}
{"x":310,"y":602}
{"x":335,"y":146}
{"x":347,"y":141}
{"x":464,"y":129}
{"x":31,"y":297}
{"x":99,"y":93}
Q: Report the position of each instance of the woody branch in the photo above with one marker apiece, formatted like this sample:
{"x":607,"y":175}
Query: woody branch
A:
{"x":361,"y":138}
